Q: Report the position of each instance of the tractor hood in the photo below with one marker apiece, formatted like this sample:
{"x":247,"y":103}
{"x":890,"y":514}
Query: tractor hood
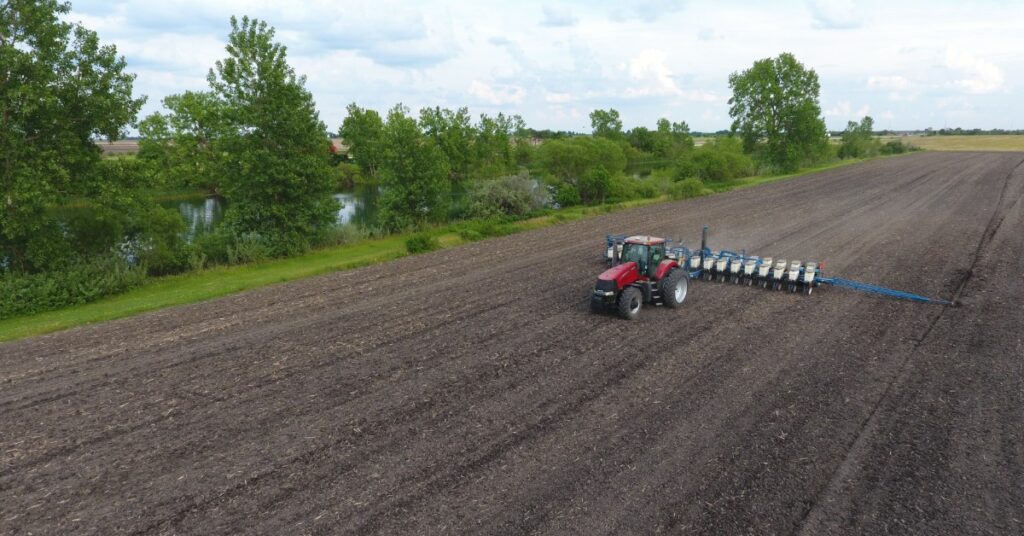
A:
{"x":622,"y":274}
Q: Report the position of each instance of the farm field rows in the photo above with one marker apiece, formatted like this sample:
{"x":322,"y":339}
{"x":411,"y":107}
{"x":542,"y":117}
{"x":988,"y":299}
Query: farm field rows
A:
{"x":471,"y":391}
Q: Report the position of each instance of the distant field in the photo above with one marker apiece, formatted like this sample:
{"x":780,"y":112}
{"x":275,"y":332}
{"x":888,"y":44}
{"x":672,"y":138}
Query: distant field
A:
{"x":963,"y":143}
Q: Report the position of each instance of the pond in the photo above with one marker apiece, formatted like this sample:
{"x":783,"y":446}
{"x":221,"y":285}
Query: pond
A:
{"x":203,"y":215}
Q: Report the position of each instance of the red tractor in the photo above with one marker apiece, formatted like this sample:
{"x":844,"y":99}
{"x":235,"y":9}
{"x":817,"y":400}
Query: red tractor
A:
{"x":641,"y":273}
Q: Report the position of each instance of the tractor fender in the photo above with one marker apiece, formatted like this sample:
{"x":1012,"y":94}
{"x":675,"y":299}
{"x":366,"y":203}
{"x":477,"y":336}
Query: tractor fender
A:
{"x":664,"y":267}
{"x":624,"y":274}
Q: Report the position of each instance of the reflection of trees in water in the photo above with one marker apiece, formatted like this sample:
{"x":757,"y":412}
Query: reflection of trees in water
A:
{"x":201,"y":215}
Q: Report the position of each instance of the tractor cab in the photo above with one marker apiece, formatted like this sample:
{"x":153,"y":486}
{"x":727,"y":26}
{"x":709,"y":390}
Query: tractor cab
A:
{"x":646,"y":251}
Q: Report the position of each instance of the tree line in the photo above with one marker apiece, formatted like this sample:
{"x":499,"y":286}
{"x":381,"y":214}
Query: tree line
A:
{"x":75,"y":226}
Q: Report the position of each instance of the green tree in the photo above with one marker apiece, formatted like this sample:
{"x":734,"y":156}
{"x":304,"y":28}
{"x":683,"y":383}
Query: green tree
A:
{"x":593,"y":185}
{"x":258,"y":130}
{"x":495,"y":155}
{"x":414,"y":174}
{"x":642,"y":139}
{"x":775,"y":102}
{"x":858,"y":139}
{"x":59,"y":90}
{"x":453,"y":132}
{"x":178,"y":143}
{"x":606,"y":124}
{"x":362,"y":131}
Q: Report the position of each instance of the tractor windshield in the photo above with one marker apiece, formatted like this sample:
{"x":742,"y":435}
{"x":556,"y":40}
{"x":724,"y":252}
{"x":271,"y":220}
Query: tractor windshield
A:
{"x":636,"y":253}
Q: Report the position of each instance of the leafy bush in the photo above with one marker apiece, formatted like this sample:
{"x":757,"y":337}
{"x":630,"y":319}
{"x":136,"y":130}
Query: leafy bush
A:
{"x":593,"y":185}
{"x":566,"y":195}
{"x":896,"y":147}
{"x":858,"y":140}
{"x":347,"y":176}
{"x":249,"y":247}
{"x":479,"y":229}
{"x":687,"y":188}
{"x":515,"y":196}
{"x":73,"y":285}
{"x":421,"y":243}
{"x":716,"y":161}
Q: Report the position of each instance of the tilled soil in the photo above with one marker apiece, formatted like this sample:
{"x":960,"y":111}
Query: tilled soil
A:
{"x":471,"y":391}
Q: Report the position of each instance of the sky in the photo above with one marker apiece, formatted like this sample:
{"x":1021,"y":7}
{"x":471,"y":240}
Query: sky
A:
{"x":909,"y":64}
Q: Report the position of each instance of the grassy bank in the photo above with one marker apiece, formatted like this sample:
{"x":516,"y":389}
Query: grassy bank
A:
{"x":193,"y":287}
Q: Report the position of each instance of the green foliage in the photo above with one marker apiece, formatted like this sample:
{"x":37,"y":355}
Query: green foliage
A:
{"x":486,"y":228}
{"x":858,"y":139}
{"x":515,"y":196}
{"x":568,"y":159}
{"x":177,"y":144}
{"x":606,"y":124}
{"x":594,"y":185}
{"x":719,"y":160}
{"x":414,"y":174}
{"x":453,"y":132}
{"x":26,"y":294}
{"x":896,"y":147}
{"x":776,"y":100}
{"x":249,"y":247}
{"x":566,"y":195}
{"x":256,"y":135}
{"x":347,"y":176}
{"x":495,"y":137}
{"x":687,"y":188}
{"x":276,"y":168}
{"x":363,"y":132}
{"x":421,"y":243}
{"x":60,"y":89}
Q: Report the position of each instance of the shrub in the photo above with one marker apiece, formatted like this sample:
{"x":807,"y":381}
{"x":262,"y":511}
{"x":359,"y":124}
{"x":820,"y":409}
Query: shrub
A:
{"x":516,"y":196}
{"x":566,"y":195}
{"x":687,"y":188}
{"x":340,"y":235}
{"x":73,"y":285}
{"x":421,"y":243}
{"x":895,"y":147}
{"x":480,"y":229}
{"x":716,"y":161}
{"x":347,"y":176}
{"x":249,"y":247}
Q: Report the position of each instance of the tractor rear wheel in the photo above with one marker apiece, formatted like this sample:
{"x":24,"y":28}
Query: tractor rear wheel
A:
{"x":673,"y":288}
{"x":630,"y":302}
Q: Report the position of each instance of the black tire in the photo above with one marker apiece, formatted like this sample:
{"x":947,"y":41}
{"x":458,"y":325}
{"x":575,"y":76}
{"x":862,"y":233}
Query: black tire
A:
{"x":673,"y":288}
{"x":630,"y":302}
{"x":596,"y":305}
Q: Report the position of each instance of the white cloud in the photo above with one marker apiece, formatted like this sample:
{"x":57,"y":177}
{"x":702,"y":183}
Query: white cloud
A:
{"x":557,"y":98}
{"x":496,"y":94}
{"x":835,"y":14}
{"x":979,"y":76}
{"x":889,"y":83}
{"x":558,"y":17}
{"x":650,"y":77}
{"x":844,"y":110}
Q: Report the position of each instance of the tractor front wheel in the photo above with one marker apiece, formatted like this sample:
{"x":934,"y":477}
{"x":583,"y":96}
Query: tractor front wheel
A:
{"x":673,"y":288}
{"x":630,"y":302}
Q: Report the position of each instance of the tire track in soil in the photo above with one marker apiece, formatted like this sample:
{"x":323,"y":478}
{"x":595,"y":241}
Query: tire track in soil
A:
{"x":870,"y":424}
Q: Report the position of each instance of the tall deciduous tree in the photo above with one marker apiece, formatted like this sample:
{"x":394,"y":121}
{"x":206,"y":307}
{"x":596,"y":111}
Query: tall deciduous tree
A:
{"x":362,"y":131}
{"x":259,"y":131}
{"x":775,"y":102}
{"x":59,"y":89}
{"x":606,"y":124}
{"x":453,"y":132}
{"x":414,"y":174}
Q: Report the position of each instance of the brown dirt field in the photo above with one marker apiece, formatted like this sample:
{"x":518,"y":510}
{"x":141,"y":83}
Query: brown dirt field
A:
{"x":471,"y":391}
